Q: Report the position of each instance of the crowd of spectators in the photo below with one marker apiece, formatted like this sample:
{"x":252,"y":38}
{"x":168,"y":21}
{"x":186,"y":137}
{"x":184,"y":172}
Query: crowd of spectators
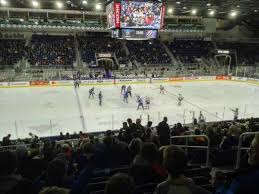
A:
{"x":51,"y":51}
{"x":91,"y":45}
{"x":148,"y":52}
{"x":247,"y":53}
{"x":188,"y":51}
{"x":11,"y":51}
{"x":141,"y":154}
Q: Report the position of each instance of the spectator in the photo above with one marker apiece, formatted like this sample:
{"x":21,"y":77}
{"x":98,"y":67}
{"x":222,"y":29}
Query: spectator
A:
{"x":10,"y":182}
{"x":135,"y":147}
{"x":124,"y":134}
{"x":140,"y":129}
{"x":163,"y":131}
{"x":144,"y":167}
{"x":247,"y":181}
{"x":6,"y":140}
{"x":120,"y":184}
{"x":175,"y":162}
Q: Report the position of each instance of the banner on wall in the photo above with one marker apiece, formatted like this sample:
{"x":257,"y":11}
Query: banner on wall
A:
{"x":117,"y":12}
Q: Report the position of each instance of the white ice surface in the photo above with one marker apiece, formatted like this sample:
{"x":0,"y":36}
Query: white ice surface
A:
{"x":48,"y":111}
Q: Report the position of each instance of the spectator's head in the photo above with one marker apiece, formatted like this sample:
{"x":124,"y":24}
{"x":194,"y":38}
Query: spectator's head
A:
{"x":253,"y":152}
{"x":54,"y":190}
{"x":135,"y":146}
{"x":86,"y":147}
{"x":9,"y":136}
{"x":120,"y":183}
{"x":108,"y":141}
{"x":108,"y":133}
{"x":149,"y":152}
{"x":8,"y":163}
{"x":56,"y":172}
{"x":165,"y":119}
{"x":175,"y":161}
{"x":129,"y":121}
{"x":138,"y":122}
{"x":149,"y":124}
{"x":124,"y":125}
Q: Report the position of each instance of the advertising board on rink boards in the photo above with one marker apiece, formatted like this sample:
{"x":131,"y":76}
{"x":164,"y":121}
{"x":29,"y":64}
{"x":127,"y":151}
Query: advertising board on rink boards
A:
{"x":154,"y":80}
{"x":19,"y":84}
{"x":4,"y":84}
{"x":61,"y":83}
{"x":223,"y":77}
{"x":39,"y":83}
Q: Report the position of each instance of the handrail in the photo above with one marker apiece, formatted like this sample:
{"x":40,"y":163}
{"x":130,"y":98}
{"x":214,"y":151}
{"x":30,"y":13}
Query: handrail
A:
{"x":200,"y":147}
{"x":239,"y":148}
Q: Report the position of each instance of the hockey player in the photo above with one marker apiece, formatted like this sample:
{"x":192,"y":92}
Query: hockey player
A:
{"x":180,"y":99}
{"x":123,"y":89}
{"x":147,"y":101}
{"x":125,"y":96}
{"x":76,"y":83}
{"x":91,"y":93}
{"x":100,"y":96}
{"x":162,"y":89}
{"x":129,"y":91}
{"x":140,"y":103}
{"x":236,"y":112}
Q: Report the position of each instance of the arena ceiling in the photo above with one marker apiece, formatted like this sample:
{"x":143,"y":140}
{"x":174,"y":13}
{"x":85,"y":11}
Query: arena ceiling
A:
{"x":242,"y":10}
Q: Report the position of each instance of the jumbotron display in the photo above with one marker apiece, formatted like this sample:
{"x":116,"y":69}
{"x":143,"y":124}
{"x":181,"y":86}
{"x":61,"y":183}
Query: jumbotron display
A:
{"x":135,"y":14}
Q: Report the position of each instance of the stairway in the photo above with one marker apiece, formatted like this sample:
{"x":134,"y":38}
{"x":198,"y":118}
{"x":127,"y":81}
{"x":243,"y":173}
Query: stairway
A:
{"x":173,"y":59}
{"x":79,"y":64}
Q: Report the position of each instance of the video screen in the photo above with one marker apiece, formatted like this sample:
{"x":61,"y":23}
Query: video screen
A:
{"x":110,"y":15}
{"x":136,"y":14}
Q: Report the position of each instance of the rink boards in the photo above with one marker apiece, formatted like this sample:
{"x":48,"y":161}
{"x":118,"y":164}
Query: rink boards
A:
{"x":124,"y":81}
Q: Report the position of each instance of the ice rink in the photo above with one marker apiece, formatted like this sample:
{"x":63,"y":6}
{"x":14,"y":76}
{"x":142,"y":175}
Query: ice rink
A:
{"x":47,"y":111}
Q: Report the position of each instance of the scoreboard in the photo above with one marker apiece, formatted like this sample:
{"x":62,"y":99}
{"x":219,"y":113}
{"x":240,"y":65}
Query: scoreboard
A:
{"x":136,"y":19}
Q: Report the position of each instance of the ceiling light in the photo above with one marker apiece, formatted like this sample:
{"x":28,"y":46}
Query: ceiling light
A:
{"x":35,"y":3}
{"x":98,"y":6}
{"x":255,"y":10}
{"x":3,"y":2}
{"x":84,"y":2}
{"x":59,"y":4}
{"x":22,"y":20}
{"x":178,"y":2}
{"x":212,"y":13}
{"x":194,"y":11}
{"x":170,"y":10}
{"x":233,"y":14}
{"x":208,"y":4}
{"x":184,"y":7}
{"x":238,"y":5}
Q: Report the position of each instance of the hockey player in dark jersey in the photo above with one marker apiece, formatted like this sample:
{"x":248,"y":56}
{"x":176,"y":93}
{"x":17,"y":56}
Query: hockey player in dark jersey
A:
{"x":91,"y":93}
{"x":129,"y":89}
{"x":140,"y":103}
{"x":100,"y":96}
{"x":125,"y":96}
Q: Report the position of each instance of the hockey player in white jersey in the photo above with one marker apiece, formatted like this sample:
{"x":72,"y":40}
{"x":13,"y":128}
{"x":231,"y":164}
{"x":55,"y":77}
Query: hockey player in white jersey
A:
{"x":162,"y":89}
{"x":147,"y":102}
